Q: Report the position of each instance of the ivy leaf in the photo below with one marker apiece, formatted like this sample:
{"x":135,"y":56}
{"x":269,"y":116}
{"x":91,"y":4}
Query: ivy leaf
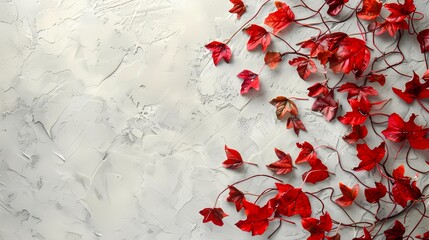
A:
{"x":272,"y":59}
{"x":219,"y":51}
{"x":379,"y":78}
{"x":396,"y":232}
{"x":250,"y":80}
{"x":423,"y":39}
{"x":281,"y":18}
{"x":359,"y":114}
{"x":373,"y":195}
{"x":284,"y":106}
{"x":352,"y":55}
{"x":292,"y":201}
{"x":317,"y":227}
{"x":307,"y":153}
{"x":335,"y":6}
{"x":318,"y":89}
{"x":327,"y":106}
{"x":349,"y":195}
{"x":283,"y":165}
{"x":305,"y":66}
{"x":369,"y":157}
{"x":403,"y":189}
{"x":233,"y":159}
{"x":214,"y":215}
{"x":257,"y":218}
{"x":317,"y":173}
{"x":398,"y":12}
{"x":370,"y":10}
{"x":239,"y":8}
{"x":387,"y":26}
{"x":357,"y":92}
{"x":366,"y":235}
{"x":414,"y":89}
{"x":236,"y":197}
{"x":358,"y":132}
{"x":296,"y":124}
{"x":258,"y":36}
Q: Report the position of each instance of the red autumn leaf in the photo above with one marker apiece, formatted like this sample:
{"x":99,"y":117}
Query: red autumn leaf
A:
{"x":257,"y":218}
{"x":233,"y":159}
{"x":283,"y":165}
{"x":250,"y":80}
{"x":375,"y":77}
{"x":425,"y":236}
{"x":369,"y":157}
{"x":284,"y":106}
{"x":318,"y":89}
{"x":307,"y":153}
{"x":358,"y":132}
{"x":359,"y":114}
{"x":281,"y":18}
{"x":236,"y":197}
{"x":317,"y":173}
{"x":349,"y":195}
{"x":398,"y":12}
{"x":414,"y":89}
{"x":358,"y":92}
{"x":335,"y":237}
{"x":366,"y":235}
{"x":305,"y":66}
{"x":214,"y":215}
{"x":326,"y":105}
{"x":423,"y":39}
{"x":258,"y":36}
{"x":272,"y":59}
{"x":325,"y":46}
{"x":396,"y":232}
{"x":426,"y":76}
{"x":370,"y":10}
{"x":335,"y":6}
{"x":391,"y":27}
{"x":352,"y":55}
{"x":296,"y":124}
{"x":239,"y":8}
{"x":317,"y":228}
{"x":398,"y":130}
{"x":373,"y":195}
{"x":403,"y":189}
{"x":292,"y":201}
{"x":219,"y":51}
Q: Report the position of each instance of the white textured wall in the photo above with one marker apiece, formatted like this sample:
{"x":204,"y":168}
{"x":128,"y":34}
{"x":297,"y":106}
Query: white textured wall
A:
{"x":114,"y":118}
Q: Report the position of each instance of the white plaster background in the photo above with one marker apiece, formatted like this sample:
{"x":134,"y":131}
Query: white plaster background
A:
{"x":114,"y":118}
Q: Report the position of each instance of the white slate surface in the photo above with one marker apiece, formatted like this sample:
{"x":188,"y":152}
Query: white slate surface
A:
{"x":114,"y":118}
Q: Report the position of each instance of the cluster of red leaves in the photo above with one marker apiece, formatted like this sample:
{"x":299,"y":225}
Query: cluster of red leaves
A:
{"x":287,"y":109}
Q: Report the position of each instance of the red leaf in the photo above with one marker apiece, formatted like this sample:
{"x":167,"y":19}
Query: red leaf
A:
{"x":307,"y":153}
{"x":398,"y":12}
{"x":272,"y":59}
{"x":305,"y":66}
{"x":317,"y":173}
{"x":352,"y":55}
{"x":358,"y":92}
{"x":284,"y":106}
{"x":250,"y":80}
{"x":281,"y":18}
{"x":373,"y":195}
{"x":335,"y":6}
{"x":396,"y":232}
{"x":370,"y":10}
{"x":326,"y":105}
{"x":318,"y":89}
{"x":359,"y":114}
{"x":324,"y":47}
{"x":358,"y":132}
{"x":236,"y":197}
{"x":214,"y":215}
{"x":349,"y":195}
{"x":317,"y":228}
{"x":375,"y":77}
{"x":414,"y":89}
{"x":397,"y":131}
{"x":426,"y":76}
{"x":257,"y":218}
{"x":390,"y":27}
{"x":425,"y":236}
{"x":335,"y":237}
{"x":366,"y":236}
{"x":233,"y":159}
{"x":369,"y":157}
{"x":258,"y":35}
{"x":423,"y":39}
{"x":219,"y":51}
{"x":296,"y":124}
{"x":239,"y":8}
{"x":292,"y":201}
{"x":283,"y":165}
{"x":403,"y":189}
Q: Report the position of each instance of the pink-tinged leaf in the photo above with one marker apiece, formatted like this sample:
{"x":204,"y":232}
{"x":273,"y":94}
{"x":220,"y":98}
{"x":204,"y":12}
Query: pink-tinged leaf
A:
{"x":358,"y":132}
{"x":284,"y":106}
{"x":296,"y":124}
{"x":236,"y":197}
{"x":257,"y":220}
{"x":370,"y":10}
{"x":414,"y":89}
{"x":258,"y":36}
{"x":281,"y":18}
{"x":358,"y":92}
{"x":233,"y":159}
{"x":272,"y":59}
{"x":396,"y":232}
{"x":292,"y":201}
{"x":219,"y":51}
{"x":283,"y":165}
{"x":349,"y":195}
{"x":214,"y":215}
{"x":318,"y":89}
{"x":335,"y":6}
{"x":369,"y":157}
{"x":327,"y":106}
{"x":250,"y":80}
{"x":373,"y":195}
{"x":379,"y":78}
{"x":423,"y":39}
{"x":305,"y":66}
{"x":239,"y":8}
